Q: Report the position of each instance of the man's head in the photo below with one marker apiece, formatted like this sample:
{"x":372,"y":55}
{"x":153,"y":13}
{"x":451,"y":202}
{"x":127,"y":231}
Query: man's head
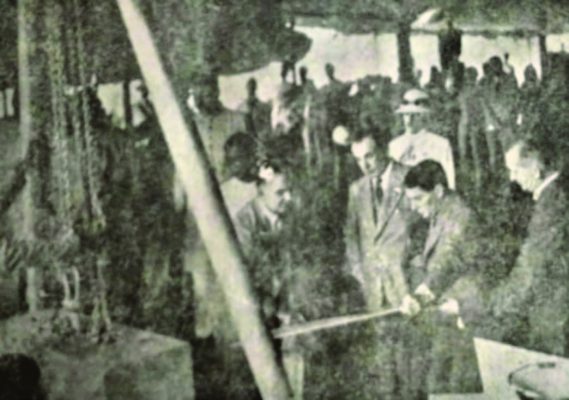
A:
{"x":206,"y":91}
{"x":365,"y":151}
{"x":240,"y":151}
{"x":287,"y":68}
{"x":303,"y":72}
{"x":251,"y":87}
{"x":530,"y":74}
{"x":425,"y":185}
{"x":330,"y":71}
{"x":525,"y":165}
{"x":496,"y":66}
{"x":274,"y":189}
{"x":414,"y":110}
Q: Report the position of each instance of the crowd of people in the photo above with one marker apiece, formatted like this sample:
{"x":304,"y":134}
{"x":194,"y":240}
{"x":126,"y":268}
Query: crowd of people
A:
{"x":456,"y":218}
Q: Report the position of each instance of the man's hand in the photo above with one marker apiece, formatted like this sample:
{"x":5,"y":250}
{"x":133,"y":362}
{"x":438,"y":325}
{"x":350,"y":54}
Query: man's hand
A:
{"x":410,"y":306}
{"x":450,"y":307}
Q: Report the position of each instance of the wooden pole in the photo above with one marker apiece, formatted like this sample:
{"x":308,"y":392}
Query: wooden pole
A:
{"x":207,"y":207}
{"x":26,"y":42}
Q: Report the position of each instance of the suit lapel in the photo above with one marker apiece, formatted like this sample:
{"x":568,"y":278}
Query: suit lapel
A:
{"x":435,"y":231}
{"x":366,"y":202}
{"x":389,"y":203}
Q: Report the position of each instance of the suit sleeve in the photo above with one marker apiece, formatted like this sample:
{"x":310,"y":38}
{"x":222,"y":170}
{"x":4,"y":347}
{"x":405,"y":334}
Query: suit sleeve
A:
{"x":245,"y":229}
{"x":352,"y":238}
{"x":540,"y":246}
{"x":446,"y":265}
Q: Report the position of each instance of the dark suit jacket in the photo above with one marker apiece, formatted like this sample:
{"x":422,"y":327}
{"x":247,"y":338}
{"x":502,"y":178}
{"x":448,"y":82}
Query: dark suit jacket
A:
{"x":442,"y":256}
{"x":376,"y":246}
{"x":535,"y":296}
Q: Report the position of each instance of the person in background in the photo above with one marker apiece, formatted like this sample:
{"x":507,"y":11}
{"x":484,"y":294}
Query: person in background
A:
{"x":215,"y":123}
{"x":306,"y":83}
{"x":334,"y":95}
{"x":530,"y":95}
{"x":20,"y":378}
{"x":472,"y":148}
{"x":284,"y":117}
{"x":239,"y":187}
{"x":257,"y":113}
{"x":450,"y":46}
{"x":416,"y":143}
{"x":499,"y":99}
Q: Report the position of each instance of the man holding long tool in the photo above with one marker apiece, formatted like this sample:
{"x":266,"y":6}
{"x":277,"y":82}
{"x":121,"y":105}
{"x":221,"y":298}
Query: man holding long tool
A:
{"x":377,"y":238}
{"x":442,"y":277}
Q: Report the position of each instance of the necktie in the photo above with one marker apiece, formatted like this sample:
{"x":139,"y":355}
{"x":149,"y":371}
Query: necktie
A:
{"x":377,"y":195}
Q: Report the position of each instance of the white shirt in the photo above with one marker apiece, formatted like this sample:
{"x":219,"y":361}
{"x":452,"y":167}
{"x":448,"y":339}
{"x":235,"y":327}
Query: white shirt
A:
{"x":237,"y":194}
{"x":548,"y":181}
{"x":413,"y":148}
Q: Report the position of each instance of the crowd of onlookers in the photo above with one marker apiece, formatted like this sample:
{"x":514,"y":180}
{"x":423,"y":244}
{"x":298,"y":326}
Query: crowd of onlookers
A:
{"x":444,"y":202}
{"x":456,"y":217}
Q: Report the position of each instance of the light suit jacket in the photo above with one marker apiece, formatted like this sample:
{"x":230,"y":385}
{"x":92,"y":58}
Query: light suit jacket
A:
{"x":376,"y":246}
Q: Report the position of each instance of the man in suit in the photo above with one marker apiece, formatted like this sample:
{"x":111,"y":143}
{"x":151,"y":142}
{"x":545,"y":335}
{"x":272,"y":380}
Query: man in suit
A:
{"x":441,"y":282}
{"x":530,"y":306}
{"x":377,"y":239}
{"x":376,"y":234}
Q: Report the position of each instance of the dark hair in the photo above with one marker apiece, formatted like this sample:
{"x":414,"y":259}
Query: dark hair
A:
{"x":286,"y":68}
{"x":204,"y":78}
{"x":251,"y":84}
{"x":20,"y":377}
{"x":357,"y":135}
{"x":241,"y":142}
{"x":426,"y":176}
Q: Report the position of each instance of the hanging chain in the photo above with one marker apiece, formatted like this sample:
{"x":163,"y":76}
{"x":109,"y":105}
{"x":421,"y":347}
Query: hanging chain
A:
{"x":74,"y":104}
{"x":90,"y":149}
{"x":59,"y":124}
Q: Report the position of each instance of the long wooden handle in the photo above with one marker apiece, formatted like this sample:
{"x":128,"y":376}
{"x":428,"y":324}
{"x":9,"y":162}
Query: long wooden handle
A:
{"x":329,"y":323}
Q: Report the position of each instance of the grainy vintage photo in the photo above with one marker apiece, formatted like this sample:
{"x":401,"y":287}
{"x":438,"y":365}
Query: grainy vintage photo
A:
{"x":284,"y":200}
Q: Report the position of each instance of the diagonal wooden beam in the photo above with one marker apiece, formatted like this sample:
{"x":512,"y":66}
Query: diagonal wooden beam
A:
{"x":208,"y":209}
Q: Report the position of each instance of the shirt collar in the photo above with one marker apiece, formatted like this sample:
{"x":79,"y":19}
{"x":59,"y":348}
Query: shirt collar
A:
{"x":272,"y":217}
{"x":539,"y":191}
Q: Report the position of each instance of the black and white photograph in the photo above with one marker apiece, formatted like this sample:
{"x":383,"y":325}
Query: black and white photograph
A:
{"x":284,"y":200}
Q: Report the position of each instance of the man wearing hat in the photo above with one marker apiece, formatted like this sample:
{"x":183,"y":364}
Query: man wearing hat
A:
{"x":416,"y":143}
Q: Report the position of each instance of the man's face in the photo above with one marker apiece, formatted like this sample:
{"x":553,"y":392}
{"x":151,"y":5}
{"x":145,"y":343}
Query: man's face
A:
{"x":207,"y":96}
{"x":366,"y":155}
{"x":413,"y":122}
{"x":526,"y":171}
{"x":421,"y":201}
{"x":239,"y":163}
{"x":276,"y":194}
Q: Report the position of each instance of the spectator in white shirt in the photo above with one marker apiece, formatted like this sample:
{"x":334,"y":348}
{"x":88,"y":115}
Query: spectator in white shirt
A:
{"x":416,"y":144}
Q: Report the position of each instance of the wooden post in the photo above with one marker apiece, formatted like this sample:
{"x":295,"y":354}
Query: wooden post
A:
{"x":207,"y":207}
